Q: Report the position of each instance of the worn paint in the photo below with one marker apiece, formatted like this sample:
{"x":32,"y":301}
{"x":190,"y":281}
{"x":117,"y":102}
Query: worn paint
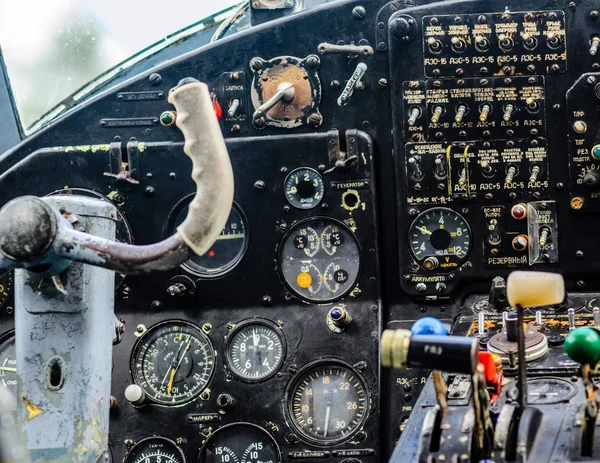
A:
{"x":32,"y":410}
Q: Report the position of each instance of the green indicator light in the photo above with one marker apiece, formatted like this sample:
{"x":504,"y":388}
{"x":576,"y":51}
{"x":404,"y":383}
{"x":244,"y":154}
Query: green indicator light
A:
{"x":582,"y":345}
{"x":596,"y":152}
{"x":167,"y":118}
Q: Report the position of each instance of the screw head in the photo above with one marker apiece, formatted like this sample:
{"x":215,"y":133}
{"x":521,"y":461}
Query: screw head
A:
{"x":359,"y":12}
{"x":155,"y":79}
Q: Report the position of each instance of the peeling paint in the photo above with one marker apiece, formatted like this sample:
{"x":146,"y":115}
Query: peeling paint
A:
{"x":32,"y":410}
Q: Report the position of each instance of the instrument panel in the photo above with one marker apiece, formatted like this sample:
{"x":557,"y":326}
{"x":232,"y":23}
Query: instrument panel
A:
{"x":390,"y":160}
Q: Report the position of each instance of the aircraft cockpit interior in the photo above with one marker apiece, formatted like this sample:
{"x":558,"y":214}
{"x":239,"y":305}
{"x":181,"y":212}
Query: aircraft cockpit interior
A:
{"x":267,"y":231}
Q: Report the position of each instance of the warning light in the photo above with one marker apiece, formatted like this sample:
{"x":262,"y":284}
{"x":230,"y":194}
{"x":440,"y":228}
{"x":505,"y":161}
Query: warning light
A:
{"x":304,"y":280}
{"x":211,"y":253}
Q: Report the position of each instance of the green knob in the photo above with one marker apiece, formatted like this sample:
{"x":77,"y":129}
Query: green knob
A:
{"x":583,"y":345}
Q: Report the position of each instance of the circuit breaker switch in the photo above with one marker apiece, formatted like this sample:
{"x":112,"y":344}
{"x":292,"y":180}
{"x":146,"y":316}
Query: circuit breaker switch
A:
{"x":484,"y":112}
{"x":437,"y":113}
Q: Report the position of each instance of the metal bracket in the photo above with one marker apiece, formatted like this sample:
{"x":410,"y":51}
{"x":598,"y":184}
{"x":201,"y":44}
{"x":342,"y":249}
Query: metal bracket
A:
{"x":126,"y":171}
{"x":350,"y":50}
{"x":340,"y":160}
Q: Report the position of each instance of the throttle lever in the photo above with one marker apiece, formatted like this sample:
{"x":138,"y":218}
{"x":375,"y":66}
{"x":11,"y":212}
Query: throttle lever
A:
{"x":34,"y":234}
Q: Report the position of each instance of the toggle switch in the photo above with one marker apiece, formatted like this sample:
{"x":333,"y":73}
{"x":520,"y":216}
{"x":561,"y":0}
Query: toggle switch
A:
{"x":508,"y":111}
{"x":571,"y":315}
{"x":460,"y":113}
{"x":233,"y":107}
{"x":484,"y":112}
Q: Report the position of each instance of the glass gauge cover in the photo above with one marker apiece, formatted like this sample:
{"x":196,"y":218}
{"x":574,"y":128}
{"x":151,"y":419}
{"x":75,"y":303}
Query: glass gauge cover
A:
{"x":304,"y":188}
{"x":255,"y":350}
{"x":173,"y":362}
{"x":319,"y":260}
{"x":327,"y":402}
{"x":6,"y":287}
{"x":155,"y":450}
{"x":240,"y":443}
{"x":440,"y":240}
{"x":546,"y":391}
{"x":8,"y":363}
{"x":226,"y":252}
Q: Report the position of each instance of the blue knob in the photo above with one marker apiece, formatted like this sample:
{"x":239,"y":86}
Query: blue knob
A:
{"x":429,"y":325}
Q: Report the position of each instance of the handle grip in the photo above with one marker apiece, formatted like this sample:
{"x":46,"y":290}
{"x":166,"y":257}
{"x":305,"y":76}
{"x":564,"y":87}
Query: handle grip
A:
{"x":32,"y":232}
{"x":211,"y":168}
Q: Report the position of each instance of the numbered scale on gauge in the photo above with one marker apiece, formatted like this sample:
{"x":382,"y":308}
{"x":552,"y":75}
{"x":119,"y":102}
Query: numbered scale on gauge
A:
{"x":8,"y":363}
{"x":440,"y":240}
{"x":227,"y":251}
{"x":304,"y":188}
{"x":319,"y":260}
{"x":327,"y":402}
{"x":173,"y":362}
{"x":6,"y":286}
{"x":255,"y":350}
{"x":240,"y":443}
{"x":155,"y":450}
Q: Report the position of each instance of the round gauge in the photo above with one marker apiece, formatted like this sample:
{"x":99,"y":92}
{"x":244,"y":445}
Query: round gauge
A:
{"x":173,"y":362}
{"x":304,"y":188}
{"x":255,"y":350}
{"x":123,"y":233}
{"x":327,"y":402}
{"x":155,"y":450}
{"x":319,"y":259}
{"x":226,"y":252}
{"x":6,"y":287}
{"x":440,"y":239}
{"x":8,"y":363}
{"x":545,"y":391}
{"x":240,"y":443}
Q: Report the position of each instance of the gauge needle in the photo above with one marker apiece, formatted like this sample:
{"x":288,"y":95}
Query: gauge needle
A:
{"x":327,"y":413}
{"x":8,"y":369}
{"x":173,"y":364}
{"x":255,"y":338}
{"x":187,"y":346}
{"x":170,"y":386}
{"x":423,"y":230}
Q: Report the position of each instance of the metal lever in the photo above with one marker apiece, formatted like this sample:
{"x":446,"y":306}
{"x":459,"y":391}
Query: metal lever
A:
{"x":36,"y":236}
{"x":353,"y":83}
{"x":285,"y":93}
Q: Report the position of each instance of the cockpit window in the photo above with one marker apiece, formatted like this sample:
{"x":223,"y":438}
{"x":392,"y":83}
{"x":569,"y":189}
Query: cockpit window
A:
{"x":52,"y":49}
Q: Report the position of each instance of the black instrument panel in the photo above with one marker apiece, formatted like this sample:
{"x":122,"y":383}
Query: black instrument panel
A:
{"x":403,"y":179}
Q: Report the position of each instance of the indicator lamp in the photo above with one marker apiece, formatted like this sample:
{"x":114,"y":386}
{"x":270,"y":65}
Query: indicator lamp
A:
{"x":596,"y":152}
{"x":167,"y":118}
{"x":304,"y":280}
{"x":582,"y":345}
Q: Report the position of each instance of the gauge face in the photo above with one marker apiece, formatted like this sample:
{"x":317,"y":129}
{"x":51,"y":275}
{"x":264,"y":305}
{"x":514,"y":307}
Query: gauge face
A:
{"x":304,"y":188}
{"x":240,"y":443}
{"x":546,"y":391}
{"x":440,"y":239}
{"x":6,"y":287}
{"x":173,"y":362}
{"x":319,"y":260}
{"x":226,"y":252}
{"x":327,"y":402}
{"x":155,"y":450}
{"x":255,"y":350}
{"x":8,"y":363}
